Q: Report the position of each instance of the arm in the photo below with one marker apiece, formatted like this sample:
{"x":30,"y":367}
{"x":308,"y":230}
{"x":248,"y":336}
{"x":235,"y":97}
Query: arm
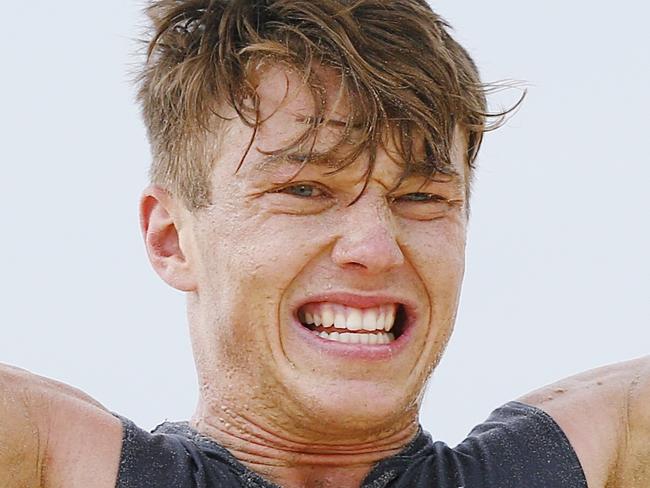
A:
{"x":634,"y":460}
{"x":605,"y":414}
{"x":52,"y":435}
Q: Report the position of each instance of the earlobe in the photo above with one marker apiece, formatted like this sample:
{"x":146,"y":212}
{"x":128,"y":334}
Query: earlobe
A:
{"x":160,"y":225}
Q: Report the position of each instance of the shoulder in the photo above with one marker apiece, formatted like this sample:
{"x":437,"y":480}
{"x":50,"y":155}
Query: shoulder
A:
{"x":604,"y":413}
{"x":634,"y":461}
{"x":55,"y":435}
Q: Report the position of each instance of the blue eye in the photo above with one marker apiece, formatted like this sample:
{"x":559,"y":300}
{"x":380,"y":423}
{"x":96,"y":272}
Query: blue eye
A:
{"x":302,"y":190}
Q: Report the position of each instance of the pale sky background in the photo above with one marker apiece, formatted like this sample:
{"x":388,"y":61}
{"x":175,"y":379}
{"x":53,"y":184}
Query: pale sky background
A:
{"x":558,"y":274}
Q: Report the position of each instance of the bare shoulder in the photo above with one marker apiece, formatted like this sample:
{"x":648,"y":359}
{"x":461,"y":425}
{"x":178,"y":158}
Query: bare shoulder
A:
{"x":634,"y":464}
{"x":605,"y":414}
{"x":53,"y":435}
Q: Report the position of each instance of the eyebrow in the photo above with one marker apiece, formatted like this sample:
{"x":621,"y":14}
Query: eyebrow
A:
{"x":446,"y":171}
{"x":271,"y":162}
{"x":338,"y":123}
{"x":296,"y":158}
{"x":451,"y":176}
{"x":418,"y":168}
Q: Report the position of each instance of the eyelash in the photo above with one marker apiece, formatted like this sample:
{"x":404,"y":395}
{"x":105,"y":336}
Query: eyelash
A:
{"x":428,"y":197}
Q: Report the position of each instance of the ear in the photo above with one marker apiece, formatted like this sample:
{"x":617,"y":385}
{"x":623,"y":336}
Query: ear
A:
{"x":160,"y":222}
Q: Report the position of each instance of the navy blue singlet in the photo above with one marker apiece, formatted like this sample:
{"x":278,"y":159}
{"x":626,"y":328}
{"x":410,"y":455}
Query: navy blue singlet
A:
{"x":518,"y":446}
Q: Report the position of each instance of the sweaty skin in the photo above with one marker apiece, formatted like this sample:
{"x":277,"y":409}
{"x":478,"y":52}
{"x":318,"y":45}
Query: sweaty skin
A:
{"x":53,"y":436}
{"x":260,"y":251}
{"x":271,"y":391}
{"x":605,"y":413}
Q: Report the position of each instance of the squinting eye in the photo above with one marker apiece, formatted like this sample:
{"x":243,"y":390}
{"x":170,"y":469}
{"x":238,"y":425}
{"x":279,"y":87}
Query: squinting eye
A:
{"x":302,"y":190}
{"x":424,"y":206}
{"x":420,"y":197}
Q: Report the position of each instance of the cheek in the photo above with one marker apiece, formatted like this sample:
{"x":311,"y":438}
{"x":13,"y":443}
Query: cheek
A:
{"x":279,"y":247}
{"x":247,"y":270}
{"x":258,"y":255}
{"x":438,"y":252}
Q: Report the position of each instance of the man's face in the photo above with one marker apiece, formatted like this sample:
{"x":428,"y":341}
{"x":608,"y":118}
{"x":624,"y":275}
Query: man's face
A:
{"x":312,"y":306}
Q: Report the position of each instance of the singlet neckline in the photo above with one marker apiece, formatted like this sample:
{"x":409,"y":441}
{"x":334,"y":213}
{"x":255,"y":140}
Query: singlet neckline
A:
{"x":382,"y":471}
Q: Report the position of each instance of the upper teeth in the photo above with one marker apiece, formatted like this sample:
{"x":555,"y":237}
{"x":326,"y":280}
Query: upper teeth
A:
{"x":340,"y":316}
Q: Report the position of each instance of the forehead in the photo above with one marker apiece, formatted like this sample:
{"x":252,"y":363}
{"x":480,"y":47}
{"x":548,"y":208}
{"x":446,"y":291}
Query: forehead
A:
{"x":290,"y":103}
{"x":281,"y":83}
{"x":294,"y":100}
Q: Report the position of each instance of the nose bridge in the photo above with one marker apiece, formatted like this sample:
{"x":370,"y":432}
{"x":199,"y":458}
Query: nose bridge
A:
{"x":368,"y":236}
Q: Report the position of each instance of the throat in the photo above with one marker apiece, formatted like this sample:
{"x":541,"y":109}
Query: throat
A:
{"x":291,"y":460}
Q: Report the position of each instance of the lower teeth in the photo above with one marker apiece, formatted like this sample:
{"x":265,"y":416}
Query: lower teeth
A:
{"x":355,"y":338}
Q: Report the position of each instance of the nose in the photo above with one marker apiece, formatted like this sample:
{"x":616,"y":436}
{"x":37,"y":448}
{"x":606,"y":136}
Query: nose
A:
{"x":368,"y":238}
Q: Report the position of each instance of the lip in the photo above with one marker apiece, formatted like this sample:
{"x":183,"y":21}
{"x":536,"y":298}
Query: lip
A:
{"x":358,"y":351}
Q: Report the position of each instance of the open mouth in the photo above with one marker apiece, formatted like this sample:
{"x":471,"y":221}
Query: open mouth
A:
{"x":378,"y":325}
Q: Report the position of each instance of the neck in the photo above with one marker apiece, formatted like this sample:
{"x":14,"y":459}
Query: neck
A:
{"x":299,"y":459}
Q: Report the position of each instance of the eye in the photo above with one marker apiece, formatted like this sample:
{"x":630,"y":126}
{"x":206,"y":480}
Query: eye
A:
{"x":303,"y":198}
{"x":420,"y":197}
{"x":424,"y":206}
{"x":302,"y":190}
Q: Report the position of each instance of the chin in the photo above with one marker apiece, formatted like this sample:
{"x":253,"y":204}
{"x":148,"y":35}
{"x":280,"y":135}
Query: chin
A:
{"x":360,"y":407}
